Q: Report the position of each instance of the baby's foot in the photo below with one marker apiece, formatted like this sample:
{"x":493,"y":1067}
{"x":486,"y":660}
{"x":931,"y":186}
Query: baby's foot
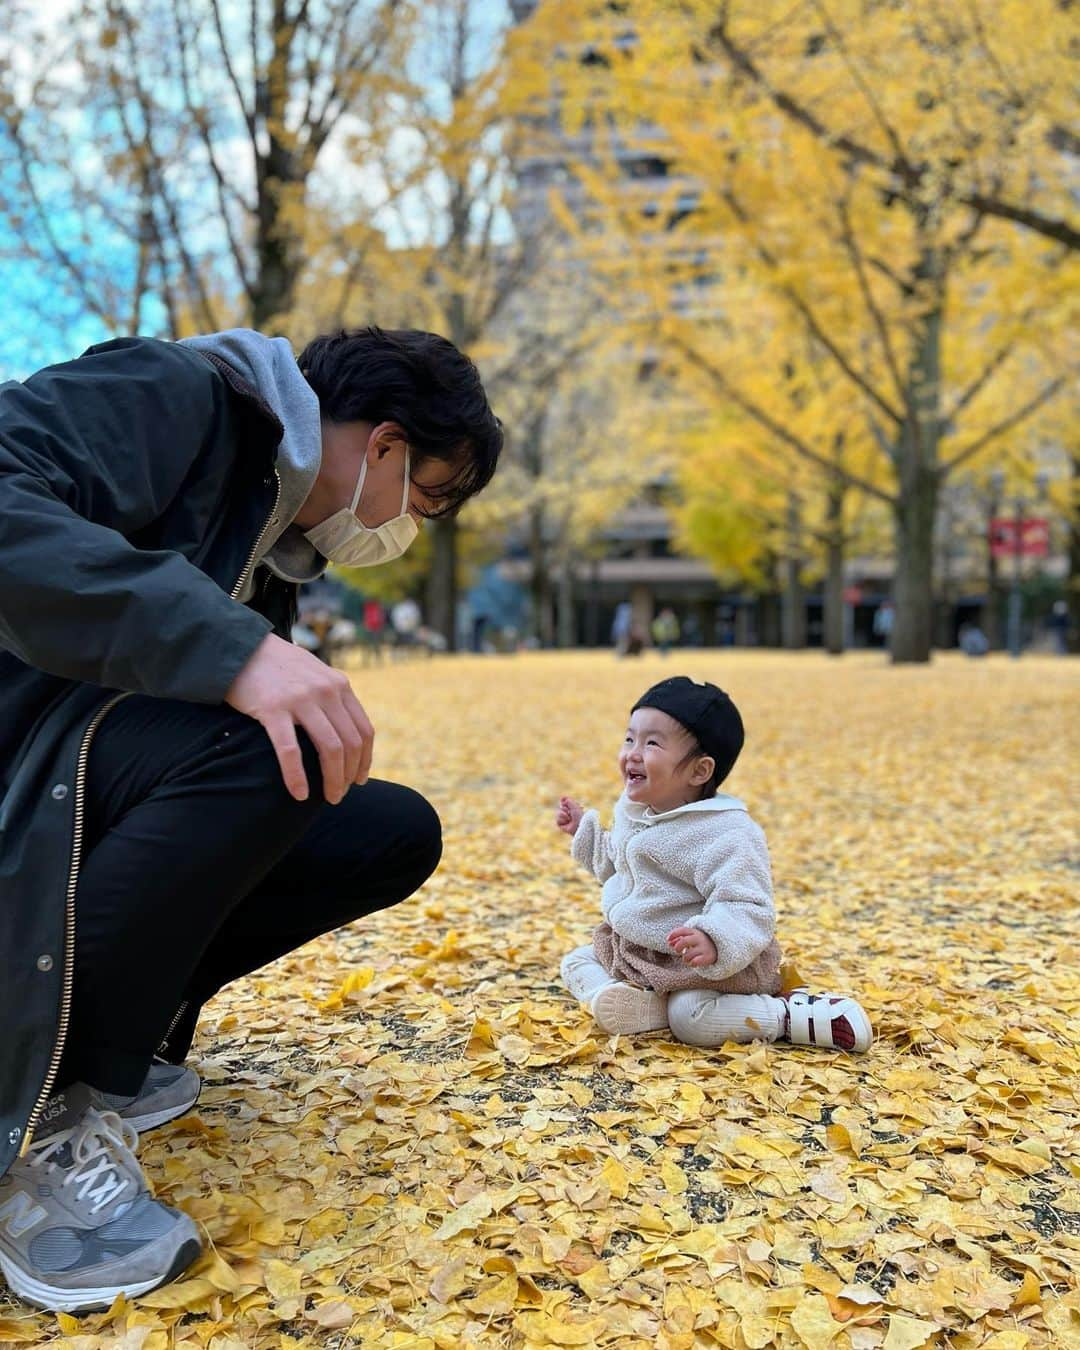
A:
{"x":831,"y":1021}
{"x":624,"y":1009}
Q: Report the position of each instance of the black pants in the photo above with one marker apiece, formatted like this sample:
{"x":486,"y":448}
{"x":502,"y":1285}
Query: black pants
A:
{"x":198,"y":867}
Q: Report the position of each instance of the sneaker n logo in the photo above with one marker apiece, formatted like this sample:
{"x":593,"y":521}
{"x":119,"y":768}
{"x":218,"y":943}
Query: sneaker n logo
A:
{"x":20,"y":1213}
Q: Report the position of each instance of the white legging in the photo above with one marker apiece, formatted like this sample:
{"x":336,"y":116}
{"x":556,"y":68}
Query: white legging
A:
{"x":695,"y":1016}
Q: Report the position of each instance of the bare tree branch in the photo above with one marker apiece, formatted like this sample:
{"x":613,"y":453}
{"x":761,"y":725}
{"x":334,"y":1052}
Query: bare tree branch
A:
{"x":977,"y":384}
{"x":230,"y":69}
{"x":847,"y":234}
{"x":908,"y":177}
{"x":782,"y":433}
{"x":812,"y":322}
{"x":1033,"y":404}
{"x":889,"y":131}
{"x":224,"y":189}
{"x":155,"y":177}
{"x":60,"y":254}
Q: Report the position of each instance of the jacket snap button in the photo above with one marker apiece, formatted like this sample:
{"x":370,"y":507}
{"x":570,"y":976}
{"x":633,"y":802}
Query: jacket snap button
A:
{"x":45,"y":963}
{"x":14,"y":1136}
{"x":59,"y":792}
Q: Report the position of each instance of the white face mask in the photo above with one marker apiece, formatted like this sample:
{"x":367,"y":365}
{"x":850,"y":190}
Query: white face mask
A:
{"x":343,"y":539}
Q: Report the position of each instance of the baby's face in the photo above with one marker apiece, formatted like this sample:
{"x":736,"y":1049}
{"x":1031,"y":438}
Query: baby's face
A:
{"x":651,"y":762}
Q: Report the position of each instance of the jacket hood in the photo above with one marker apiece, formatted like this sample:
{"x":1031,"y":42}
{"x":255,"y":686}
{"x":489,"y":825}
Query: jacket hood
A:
{"x":270,"y":366}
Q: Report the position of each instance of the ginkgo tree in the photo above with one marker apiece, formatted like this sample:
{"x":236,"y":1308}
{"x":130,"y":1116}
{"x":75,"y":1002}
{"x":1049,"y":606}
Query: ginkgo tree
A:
{"x":161,"y":157}
{"x":765,"y":523}
{"x":874,"y":189}
{"x":433,"y":168}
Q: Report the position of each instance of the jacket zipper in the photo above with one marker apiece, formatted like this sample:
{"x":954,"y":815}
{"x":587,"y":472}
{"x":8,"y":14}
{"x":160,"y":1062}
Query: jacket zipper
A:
{"x":76,"y":859}
{"x":163,"y":1047}
{"x":271,"y":519}
{"x":69,"y":920}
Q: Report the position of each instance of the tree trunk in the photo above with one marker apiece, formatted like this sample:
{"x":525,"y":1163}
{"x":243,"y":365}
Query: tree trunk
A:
{"x":793,"y":608}
{"x":278,"y":259}
{"x":834,"y":573}
{"x":280,"y":185}
{"x":991,"y":615}
{"x":793,"y":603}
{"x":917,"y":467}
{"x":543,"y":607}
{"x":442,"y":582}
{"x":567,"y":634}
{"x":769,"y":624}
{"x":913,"y":593}
{"x":706,"y":615}
{"x":834,"y":599}
{"x":540,"y":589}
{"x":592,"y":606}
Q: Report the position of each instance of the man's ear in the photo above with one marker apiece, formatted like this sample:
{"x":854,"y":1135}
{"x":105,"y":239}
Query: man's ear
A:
{"x":703,"y":770}
{"x":387,"y":436}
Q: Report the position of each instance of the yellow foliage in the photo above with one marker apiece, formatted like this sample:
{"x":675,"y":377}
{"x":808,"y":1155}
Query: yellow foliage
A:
{"x":869,"y":280}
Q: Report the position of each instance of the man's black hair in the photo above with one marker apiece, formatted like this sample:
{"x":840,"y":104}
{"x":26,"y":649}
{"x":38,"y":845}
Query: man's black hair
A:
{"x":422,"y":382}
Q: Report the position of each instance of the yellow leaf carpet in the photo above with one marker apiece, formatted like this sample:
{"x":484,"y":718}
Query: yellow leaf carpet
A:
{"x":410,"y":1136}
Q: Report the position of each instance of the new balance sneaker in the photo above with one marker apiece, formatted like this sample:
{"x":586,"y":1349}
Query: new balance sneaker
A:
{"x":77,"y":1223}
{"x":169,"y":1091}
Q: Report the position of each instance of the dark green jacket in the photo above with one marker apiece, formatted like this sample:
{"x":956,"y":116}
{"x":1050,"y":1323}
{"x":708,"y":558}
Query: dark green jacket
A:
{"x":134,"y":484}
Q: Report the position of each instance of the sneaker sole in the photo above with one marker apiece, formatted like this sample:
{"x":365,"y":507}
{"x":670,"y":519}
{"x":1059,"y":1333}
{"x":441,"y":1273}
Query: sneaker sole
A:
{"x":54,"y":1299}
{"x":149,"y":1120}
{"x":619,"y":1015}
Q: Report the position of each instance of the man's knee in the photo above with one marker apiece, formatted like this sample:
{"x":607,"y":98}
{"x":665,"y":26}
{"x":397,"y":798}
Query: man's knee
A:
{"x":423,"y":830}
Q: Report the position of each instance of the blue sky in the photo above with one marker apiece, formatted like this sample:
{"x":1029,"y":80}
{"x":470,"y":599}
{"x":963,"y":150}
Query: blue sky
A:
{"x":44,"y":320}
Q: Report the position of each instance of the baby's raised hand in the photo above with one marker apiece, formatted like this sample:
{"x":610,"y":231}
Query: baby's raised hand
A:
{"x":695,"y":947}
{"x":568,"y":816}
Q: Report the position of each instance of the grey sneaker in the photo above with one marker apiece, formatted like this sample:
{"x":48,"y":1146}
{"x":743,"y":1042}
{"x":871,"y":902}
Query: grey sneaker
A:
{"x":77,"y":1223}
{"x":169,"y":1091}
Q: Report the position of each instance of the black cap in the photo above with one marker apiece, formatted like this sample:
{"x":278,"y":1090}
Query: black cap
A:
{"x":705,"y":711}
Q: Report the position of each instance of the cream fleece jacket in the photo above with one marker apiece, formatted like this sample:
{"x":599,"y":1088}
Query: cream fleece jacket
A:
{"x":704,"y":865}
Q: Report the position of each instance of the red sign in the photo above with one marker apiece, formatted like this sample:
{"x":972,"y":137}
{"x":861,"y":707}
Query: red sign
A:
{"x":853,"y":595}
{"x":1034,"y":537}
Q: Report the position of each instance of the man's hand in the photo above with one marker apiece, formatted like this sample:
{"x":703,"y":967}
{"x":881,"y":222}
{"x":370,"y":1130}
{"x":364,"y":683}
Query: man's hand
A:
{"x":695,"y":947}
{"x":568,"y":816}
{"x":284,"y":687}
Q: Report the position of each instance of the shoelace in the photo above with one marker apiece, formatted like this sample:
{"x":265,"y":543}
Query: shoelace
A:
{"x":95,"y":1144}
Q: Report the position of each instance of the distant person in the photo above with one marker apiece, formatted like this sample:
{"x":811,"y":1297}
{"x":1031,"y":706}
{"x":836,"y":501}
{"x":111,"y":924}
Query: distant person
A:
{"x":884,"y":619}
{"x":1058,"y":623}
{"x":374,"y":631}
{"x":665,"y":630}
{"x":320,"y":621}
{"x":726,"y":618}
{"x":621,"y":626}
{"x":405,"y":620}
{"x":636,"y":640}
{"x":972,"y":641}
